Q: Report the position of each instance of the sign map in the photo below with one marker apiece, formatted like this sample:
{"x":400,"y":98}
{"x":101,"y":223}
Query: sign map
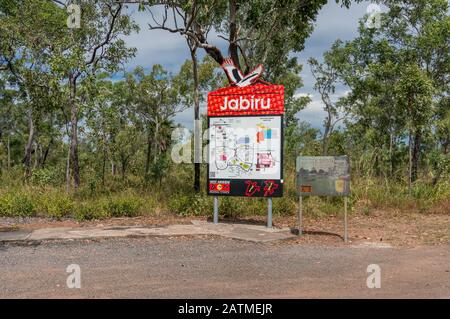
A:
{"x":245,"y":153}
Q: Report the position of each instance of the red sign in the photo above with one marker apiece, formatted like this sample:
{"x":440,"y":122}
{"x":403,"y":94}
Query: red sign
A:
{"x":223,"y":187}
{"x":257,"y":99}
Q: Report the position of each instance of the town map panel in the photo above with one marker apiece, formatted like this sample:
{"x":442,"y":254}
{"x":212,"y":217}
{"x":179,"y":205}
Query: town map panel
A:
{"x":245,"y":156}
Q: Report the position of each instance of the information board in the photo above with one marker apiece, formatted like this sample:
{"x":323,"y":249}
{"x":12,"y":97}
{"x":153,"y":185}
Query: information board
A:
{"x":323,"y":175}
{"x":246,"y":141}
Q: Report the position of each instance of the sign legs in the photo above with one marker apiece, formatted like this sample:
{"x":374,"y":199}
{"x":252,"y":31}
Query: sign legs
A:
{"x":216,"y":210}
{"x":269,"y":212}
{"x":345,"y":219}
{"x":300,"y":215}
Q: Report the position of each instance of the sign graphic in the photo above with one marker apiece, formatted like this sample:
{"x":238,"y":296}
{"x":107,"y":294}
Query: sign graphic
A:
{"x":219,"y":187}
{"x":323,"y":175}
{"x":235,"y":75}
{"x":245,"y":140}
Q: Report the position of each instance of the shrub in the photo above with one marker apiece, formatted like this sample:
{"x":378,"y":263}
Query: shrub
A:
{"x":284,"y":206}
{"x":150,"y":204}
{"x":89,"y":211}
{"x":56,"y":205}
{"x":123,"y":206}
{"x":316,"y":206}
{"x":16,"y":204}
{"x":190,"y":205}
{"x":43,"y":176}
{"x":231,"y":207}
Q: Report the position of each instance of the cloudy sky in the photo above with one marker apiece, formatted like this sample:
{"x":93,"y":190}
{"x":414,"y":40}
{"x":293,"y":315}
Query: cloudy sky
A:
{"x":170,"y":51}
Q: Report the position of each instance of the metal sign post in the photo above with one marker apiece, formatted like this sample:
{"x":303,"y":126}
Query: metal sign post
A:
{"x":269,"y":212}
{"x":300,"y":214}
{"x":216,"y":210}
{"x":345,"y":219}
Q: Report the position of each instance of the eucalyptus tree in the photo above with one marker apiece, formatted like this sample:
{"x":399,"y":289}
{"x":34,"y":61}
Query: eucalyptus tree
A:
{"x":368,"y":68}
{"x":28,"y":30}
{"x":156,"y":101}
{"x":7,"y":119}
{"x":420,"y":29}
{"x":83,"y":52}
{"x":125,"y":146}
{"x":255,"y":31}
{"x":101,"y":121}
{"x":440,"y":157}
{"x":397,"y":77}
{"x":414,"y":93}
{"x":326,"y":79}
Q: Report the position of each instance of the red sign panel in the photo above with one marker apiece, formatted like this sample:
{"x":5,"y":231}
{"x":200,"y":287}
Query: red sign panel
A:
{"x":258,"y":99}
{"x":220,"y":187}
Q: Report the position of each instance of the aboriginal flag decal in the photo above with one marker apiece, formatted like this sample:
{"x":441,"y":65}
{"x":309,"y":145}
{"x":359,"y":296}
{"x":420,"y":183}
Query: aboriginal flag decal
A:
{"x":223,"y":187}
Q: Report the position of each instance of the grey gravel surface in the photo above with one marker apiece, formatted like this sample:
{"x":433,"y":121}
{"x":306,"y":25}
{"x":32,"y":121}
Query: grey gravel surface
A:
{"x":214,"y":267}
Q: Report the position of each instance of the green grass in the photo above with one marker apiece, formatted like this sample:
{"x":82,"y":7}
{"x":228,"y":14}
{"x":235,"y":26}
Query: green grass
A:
{"x":129,"y":199}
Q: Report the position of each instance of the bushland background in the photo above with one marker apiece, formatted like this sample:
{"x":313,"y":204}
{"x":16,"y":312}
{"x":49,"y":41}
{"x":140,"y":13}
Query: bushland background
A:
{"x":82,"y":139}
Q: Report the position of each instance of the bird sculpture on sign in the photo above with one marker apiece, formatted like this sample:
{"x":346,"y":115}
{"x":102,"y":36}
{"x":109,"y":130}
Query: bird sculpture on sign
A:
{"x":237,"y":77}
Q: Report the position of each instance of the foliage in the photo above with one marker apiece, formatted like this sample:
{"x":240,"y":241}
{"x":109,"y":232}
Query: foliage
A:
{"x":123,"y":206}
{"x":65,"y":105}
{"x":90,"y":211}
{"x":44,"y":176}
{"x":17,"y":203}
{"x":189,"y":204}
{"x":394,"y":105}
{"x":55,"y":205}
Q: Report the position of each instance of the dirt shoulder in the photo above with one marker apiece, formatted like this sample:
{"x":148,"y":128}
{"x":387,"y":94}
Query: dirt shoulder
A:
{"x":396,"y":229}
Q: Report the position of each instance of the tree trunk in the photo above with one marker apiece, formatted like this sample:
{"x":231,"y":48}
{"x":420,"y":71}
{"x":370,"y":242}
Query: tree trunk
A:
{"x":438,"y":175}
{"x":391,"y":156}
{"x":326,"y":133}
{"x":8,"y":149}
{"x":197,"y":125}
{"x":74,"y":132}
{"x":29,"y":145}
{"x":68,"y":170}
{"x":416,"y":155}
{"x":149,"y":150}
{"x":36,"y":155}
{"x":155,"y":142}
{"x":233,"y":47}
{"x":377,"y":165}
{"x":410,"y":163}
{"x":104,"y":165}
{"x":47,"y":151}
{"x":124,"y":167}
{"x":436,"y":178}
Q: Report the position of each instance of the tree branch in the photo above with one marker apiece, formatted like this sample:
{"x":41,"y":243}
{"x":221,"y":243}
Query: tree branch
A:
{"x":115,"y":15}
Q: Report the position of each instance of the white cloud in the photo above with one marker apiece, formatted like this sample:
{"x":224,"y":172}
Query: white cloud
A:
{"x":299,"y":95}
{"x":313,"y":114}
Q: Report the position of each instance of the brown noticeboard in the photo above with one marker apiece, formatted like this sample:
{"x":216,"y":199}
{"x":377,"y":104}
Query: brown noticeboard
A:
{"x":305,"y":189}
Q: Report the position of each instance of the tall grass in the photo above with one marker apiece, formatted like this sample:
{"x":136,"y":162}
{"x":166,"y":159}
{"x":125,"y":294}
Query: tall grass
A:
{"x":134,"y":197}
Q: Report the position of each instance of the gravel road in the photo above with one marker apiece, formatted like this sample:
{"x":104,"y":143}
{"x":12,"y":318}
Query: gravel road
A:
{"x":213,"y":267}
